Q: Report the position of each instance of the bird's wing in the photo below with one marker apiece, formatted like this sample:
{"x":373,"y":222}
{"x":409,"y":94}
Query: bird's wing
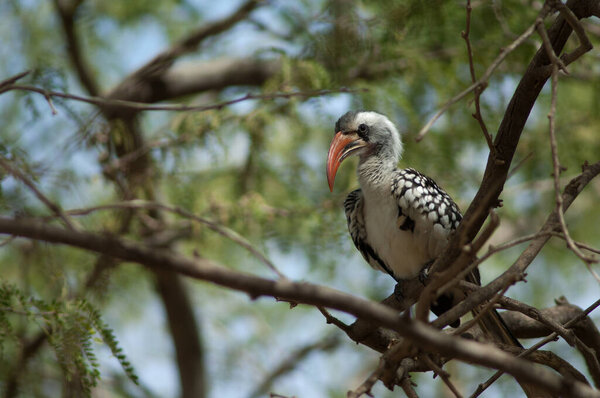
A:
{"x":425,"y":209}
{"x":353,"y":207}
{"x":431,"y":213}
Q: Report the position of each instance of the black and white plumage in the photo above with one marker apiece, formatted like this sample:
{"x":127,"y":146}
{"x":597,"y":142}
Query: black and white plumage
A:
{"x":399,"y":219}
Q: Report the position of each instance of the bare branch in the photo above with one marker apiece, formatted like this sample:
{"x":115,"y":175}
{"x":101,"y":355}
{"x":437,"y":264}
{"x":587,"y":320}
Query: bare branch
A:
{"x":141,"y":85}
{"x":443,"y":375}
{"x":66,"y":10}
{"x":163,"y":61}
{"x":141,"y":106}
{"x":483,"y":80}
{"x":221,"y":230}
{"x":557,"y":168}
{"x":290,"y":363}
{"x":13,"y":79}
{"x":423,"y":335}
{"x":478,"y":90}
{"x":367,"y":385}
{"x":507,"y":138}
{"x":531,"y":312}
{"x":54,"y":208}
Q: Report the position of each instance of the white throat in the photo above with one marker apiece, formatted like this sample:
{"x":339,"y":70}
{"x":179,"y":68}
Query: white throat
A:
{"x":375,"y":174}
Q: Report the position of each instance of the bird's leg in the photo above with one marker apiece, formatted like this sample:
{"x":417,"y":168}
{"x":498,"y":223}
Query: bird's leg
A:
{"x":401,"y":284}
{"x":424,"y":273}
{"x":443,"y":302}
{"x":400,"y":288}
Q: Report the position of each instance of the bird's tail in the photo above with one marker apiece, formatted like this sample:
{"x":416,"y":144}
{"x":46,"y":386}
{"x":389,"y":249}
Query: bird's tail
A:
{"x":494,"y":328}
{"x":491,"y":323}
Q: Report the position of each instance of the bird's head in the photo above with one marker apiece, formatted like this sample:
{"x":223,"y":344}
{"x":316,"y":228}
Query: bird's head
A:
{"x":364,"y":133}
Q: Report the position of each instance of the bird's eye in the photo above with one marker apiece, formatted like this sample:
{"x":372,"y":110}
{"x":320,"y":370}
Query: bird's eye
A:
{"x":363,"y":128}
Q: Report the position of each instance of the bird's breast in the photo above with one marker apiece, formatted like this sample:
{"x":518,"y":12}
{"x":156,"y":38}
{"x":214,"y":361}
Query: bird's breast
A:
{"x":396,"y":247}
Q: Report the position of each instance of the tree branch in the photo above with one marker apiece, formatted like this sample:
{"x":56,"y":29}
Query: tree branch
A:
{"x":515,"y":272}
{"x":508,"y":136}
{"x":423,"y":335}
{"x":148,"y":82}
{"x":182,"y":322}
{"x":66,"y":10}
{"x":291,"y":362}
{"x":143,"y":106}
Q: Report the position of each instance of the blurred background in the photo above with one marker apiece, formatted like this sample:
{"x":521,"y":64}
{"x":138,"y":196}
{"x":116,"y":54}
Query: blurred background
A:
{"x":256,"y":167}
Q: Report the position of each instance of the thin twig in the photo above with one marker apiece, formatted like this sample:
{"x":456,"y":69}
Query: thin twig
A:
{"x":12,"y":79}
{"x":483,"y":80}
{"x":478,"y":90}
{"x":223,"y":231}
{"x":445,"y":376}
{"x":333,"y":320}
{"x":516,"y":168}
{"x":142,"y":106}
{"x":491,"y":251}
{"x":367,"y":385}
{"x":548,"y":46}
{"x":557,"y":169}
{"x":449,"y":277}
{"x":578,"y":244}
{"x":584,"y":42}
{"x":590,"y":358}
{"x":54,"y":208}
{"x":529,"y":311}
{"x":516,"y":271}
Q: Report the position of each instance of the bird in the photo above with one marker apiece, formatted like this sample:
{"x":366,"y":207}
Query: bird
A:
{"x":400,"y":220}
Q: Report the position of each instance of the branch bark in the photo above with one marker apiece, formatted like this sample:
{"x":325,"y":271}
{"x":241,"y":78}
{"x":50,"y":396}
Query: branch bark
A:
{"x":426,"y":337}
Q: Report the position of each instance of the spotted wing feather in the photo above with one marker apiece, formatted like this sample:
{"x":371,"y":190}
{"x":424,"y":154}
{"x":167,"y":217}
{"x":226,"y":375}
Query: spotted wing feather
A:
{"x":426,"y":208}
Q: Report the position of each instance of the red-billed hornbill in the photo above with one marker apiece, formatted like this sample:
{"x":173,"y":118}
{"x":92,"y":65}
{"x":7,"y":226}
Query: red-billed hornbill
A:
{"x":399,"y":219}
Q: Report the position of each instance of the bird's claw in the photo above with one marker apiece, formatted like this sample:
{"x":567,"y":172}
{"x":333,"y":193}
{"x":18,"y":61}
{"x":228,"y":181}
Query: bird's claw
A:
{"x":424,"y":273}
{"x":398,"y":291}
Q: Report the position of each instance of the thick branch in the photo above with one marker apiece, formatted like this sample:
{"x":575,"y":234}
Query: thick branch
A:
{"x":182,"y":324}
{"x":147,"y":84}
{"x":423,"y":335}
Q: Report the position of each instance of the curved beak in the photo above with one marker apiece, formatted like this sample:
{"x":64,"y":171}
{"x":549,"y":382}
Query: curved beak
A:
{"x":342,"y":146}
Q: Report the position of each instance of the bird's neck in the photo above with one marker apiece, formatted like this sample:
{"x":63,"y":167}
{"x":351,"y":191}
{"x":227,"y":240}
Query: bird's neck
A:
{"x":375,"y":174}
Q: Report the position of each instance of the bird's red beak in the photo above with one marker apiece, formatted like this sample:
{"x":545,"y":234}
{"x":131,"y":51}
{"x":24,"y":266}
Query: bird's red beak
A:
{"x":341,"y":147}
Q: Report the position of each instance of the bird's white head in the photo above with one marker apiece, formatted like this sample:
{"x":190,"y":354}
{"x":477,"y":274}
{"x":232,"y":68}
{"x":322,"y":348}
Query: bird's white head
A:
{"x":368,"y":134}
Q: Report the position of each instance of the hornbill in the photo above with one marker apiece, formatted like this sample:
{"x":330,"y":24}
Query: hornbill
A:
{"x":399,"y":219}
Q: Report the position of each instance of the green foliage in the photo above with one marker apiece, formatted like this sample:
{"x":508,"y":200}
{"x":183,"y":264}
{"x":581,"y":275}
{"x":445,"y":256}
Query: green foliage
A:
{"x":69,"y":326}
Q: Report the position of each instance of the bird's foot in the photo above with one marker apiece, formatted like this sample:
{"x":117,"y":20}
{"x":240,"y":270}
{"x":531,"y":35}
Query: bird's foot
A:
{"x":424,"y":273}
{"x":398,"y":290}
